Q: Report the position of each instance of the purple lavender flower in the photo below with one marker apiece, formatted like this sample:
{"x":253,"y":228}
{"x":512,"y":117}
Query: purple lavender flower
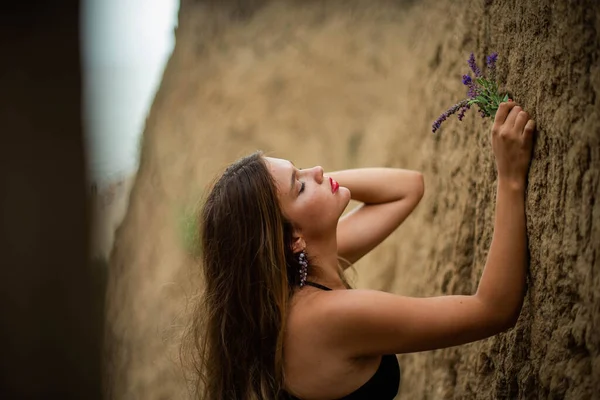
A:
{"x":491,"y":60}
{"x":491,"y":64}
{"x":467,"y":80}
{"x":463,"y":110}
{"x":452,"y":110}
{"x":473,"y":91}
{"x":474,"y":66}
{"x":483,"y":91}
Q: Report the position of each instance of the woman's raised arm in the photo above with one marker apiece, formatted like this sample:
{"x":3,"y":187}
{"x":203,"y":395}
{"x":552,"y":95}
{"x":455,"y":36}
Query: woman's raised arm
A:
{"x":389,"y":196}
{"x":364,"y":322}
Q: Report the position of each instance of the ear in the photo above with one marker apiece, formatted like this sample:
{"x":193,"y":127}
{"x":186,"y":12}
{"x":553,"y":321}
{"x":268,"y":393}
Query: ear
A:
{"x":298,"y":244}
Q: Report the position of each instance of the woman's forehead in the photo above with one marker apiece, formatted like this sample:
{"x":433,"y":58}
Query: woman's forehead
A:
{"x":279,"y":165}
{"x":278,"y":161}
{"x":281,"y":170}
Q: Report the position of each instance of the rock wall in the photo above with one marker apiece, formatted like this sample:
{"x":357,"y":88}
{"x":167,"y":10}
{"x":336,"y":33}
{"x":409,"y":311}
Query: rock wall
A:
{"x":359,"y":83}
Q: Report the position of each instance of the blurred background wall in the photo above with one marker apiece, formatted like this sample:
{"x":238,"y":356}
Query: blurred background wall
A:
{"x":125,"y":47}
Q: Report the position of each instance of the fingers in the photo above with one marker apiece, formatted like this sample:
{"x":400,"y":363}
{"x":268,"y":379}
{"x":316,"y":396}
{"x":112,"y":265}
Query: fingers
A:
{"x":528,"y":131}
{"x":502,"y":112}
{"x":512,"y":116}
{"x":520,"y":121}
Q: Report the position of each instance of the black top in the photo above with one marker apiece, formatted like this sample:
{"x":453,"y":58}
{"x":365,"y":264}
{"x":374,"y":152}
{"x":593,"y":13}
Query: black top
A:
{"x":383,"y":385}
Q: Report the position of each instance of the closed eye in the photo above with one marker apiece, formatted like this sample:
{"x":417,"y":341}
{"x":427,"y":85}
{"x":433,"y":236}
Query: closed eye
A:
{"x":302,"y":184}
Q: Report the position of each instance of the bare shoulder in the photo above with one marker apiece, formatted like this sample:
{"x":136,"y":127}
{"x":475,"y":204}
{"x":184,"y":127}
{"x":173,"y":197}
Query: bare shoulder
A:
{"x":364,"y":323}
{"x":314,"y":368}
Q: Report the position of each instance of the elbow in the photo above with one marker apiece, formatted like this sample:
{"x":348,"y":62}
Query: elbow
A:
{"x":419,"y":186}
{"x":508,"y":323}
{"x":513,"y":318}
{"x":511,"y":315}
{"x":501,"y":319}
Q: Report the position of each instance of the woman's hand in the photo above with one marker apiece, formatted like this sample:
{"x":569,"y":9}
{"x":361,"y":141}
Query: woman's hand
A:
{"x":512,"y":143}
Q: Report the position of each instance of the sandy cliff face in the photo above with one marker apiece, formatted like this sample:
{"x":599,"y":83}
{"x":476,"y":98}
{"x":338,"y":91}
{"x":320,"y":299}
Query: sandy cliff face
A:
{"x":351,"y":84}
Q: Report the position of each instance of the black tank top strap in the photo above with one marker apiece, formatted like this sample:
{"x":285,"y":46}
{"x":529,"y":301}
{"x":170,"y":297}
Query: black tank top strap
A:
{"x":318,"y":286}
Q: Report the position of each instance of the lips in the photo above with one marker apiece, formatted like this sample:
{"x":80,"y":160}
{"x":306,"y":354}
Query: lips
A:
{"x":334,"y":185}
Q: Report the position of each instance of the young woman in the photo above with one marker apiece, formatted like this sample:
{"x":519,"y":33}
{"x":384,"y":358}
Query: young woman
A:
{"x":278,"y":320}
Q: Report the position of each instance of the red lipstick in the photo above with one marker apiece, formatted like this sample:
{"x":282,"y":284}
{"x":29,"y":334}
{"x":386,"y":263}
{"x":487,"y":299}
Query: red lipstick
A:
{"x":334,"y":185}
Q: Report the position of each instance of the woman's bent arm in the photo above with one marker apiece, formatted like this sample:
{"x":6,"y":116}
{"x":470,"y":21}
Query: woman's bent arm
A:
{"x":389,"y":196}
{"x":380,"y":185}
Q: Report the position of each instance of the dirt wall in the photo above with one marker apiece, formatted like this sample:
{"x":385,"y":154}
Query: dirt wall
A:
{"x":359,"y":83}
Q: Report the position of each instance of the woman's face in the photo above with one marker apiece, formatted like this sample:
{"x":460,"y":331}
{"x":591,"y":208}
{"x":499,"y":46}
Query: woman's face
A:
{"x":313,"y":202}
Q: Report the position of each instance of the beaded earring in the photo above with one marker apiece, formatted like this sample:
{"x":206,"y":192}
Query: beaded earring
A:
{"x":303,"y":267}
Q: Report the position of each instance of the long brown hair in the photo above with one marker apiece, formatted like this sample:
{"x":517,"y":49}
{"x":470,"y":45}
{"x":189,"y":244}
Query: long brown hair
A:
{"x":235,"y":339}
{"x":249,"y":274}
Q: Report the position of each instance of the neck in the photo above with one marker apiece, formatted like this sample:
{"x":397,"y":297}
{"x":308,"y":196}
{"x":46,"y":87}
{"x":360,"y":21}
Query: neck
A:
{"x":324,"y":256}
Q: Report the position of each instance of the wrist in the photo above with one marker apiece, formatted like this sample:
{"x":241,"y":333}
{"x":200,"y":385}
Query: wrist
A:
{"x":514,"y":185}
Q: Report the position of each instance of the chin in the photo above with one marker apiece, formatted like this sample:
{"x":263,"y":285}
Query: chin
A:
{"x":345,"y":195}
{"x":344,"y":192}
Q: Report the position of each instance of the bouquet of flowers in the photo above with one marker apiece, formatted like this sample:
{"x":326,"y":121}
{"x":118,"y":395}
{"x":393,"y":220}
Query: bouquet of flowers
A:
{"x":482,"y":91}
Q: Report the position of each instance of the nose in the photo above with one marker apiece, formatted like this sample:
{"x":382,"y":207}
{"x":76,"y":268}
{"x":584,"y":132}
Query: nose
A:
{"x":318,"y":171}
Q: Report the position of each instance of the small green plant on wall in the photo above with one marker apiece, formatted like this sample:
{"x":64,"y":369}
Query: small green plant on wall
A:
{"x":189,"y":231}
{"x":482,"y":91}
